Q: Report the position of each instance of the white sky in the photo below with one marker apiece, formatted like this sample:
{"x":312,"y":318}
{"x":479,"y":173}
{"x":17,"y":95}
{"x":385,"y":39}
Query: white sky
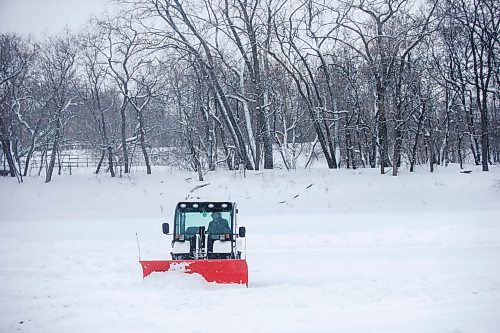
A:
{"x":38,"y":16}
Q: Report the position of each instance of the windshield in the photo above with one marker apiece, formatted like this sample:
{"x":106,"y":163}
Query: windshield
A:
{"x":188,"y":223}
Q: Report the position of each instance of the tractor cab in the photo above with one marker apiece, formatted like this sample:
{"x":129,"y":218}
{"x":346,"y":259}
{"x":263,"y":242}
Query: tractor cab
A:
{"x":205,"y":230}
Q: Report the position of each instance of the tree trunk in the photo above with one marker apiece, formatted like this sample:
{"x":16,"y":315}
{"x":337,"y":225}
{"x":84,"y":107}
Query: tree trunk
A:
{"x":382,"y":128}
{"x":264,"y":131}
{"x":30,"y":152}
{"x":99,"y":164}
{"x":6,"y":148}
{"x":43,"y":159}
{"x":111,"y":161}
{"x":372,"y":155}
{"x":413,"y":157}
{"x":8,"y":155}
{"x":142,"y":137}
{"x":55,"y":148}
{"x":332,"y":106}
{"x":485,"y":141}
{"x":123,"y":124}
{"x":398,"y":142}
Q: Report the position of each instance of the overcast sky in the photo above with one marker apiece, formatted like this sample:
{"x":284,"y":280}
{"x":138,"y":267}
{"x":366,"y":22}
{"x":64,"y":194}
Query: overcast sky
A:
{"x":38,"y":16}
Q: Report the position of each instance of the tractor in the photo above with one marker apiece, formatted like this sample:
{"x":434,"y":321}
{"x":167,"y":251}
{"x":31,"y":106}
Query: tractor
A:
{"x":206,"y":240}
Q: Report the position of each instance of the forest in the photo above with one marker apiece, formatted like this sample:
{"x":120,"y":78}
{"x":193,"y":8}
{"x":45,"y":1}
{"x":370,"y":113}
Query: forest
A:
{"x":256,"y":84}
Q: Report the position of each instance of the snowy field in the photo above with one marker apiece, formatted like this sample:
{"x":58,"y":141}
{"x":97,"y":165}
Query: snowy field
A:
{"x":355,"y":251}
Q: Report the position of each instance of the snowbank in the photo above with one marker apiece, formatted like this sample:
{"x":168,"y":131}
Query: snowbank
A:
{"x":328,"y":251}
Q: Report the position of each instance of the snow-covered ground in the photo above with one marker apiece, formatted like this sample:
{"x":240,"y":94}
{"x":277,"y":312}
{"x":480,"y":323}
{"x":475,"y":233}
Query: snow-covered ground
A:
{"x":355,"y":251}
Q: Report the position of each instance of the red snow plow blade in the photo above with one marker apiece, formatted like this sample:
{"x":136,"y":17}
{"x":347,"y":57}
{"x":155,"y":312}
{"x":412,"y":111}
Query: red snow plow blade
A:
{"x":220,"y":271}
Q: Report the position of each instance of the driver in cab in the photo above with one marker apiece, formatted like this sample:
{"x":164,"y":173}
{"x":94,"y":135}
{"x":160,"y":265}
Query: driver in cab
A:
{"x":218,"y":225}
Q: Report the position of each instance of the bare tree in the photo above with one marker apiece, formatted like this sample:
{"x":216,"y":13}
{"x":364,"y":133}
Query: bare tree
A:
{"x":14,"y":57}
{"x":482,"y":21}
{"x":100,"y":100}
{"x":188,"y":35}
{"x":57,"y":62}
{"x":242,"y":20}
{"x":292,"y":54}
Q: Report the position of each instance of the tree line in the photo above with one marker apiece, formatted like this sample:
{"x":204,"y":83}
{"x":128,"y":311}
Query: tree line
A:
{"x":256,"y":83}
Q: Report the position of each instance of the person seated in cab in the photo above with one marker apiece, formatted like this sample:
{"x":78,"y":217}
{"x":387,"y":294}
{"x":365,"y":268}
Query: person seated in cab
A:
{"x":218,"y":225}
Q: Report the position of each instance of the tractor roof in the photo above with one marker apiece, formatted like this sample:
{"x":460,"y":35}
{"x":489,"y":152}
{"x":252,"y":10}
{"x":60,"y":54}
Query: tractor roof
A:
{"x":224,"y":206}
